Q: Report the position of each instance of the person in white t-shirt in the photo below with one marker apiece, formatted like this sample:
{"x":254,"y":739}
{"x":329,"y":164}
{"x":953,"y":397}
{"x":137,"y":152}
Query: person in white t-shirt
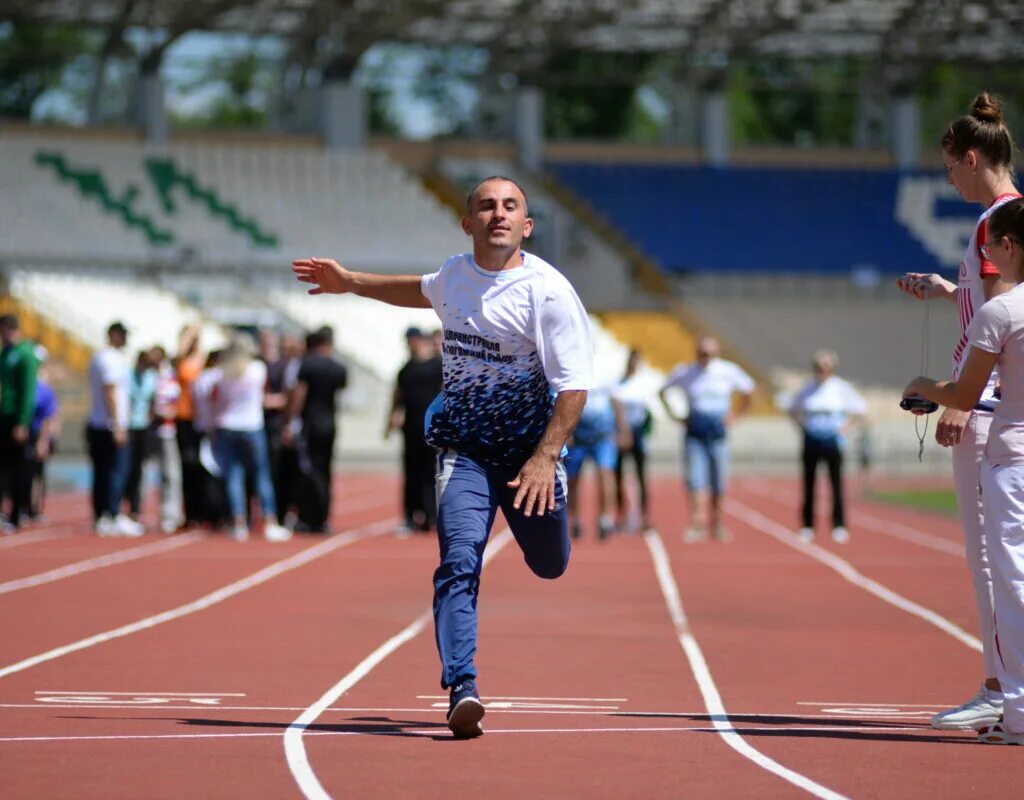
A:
{"x":634,"y":392}
{"x":824,"y":409}
{"x":516,"y":356}
{"x":977,"y":150}
{"x":996,"y":339}
{"x":709,"y":386}
{"x":106,"y":434}
{"x":239,"y":439}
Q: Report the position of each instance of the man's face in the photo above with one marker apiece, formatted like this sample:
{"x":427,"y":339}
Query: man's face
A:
{"x":8,"y":334}
{"x":497,"y":216}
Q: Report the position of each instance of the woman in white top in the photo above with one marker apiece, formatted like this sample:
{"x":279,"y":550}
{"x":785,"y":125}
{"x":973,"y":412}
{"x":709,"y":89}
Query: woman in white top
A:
{"x":239,"y":442}
{"x":824,"y":409}
{"x":977,"y":150}
{"x":996,"y":337}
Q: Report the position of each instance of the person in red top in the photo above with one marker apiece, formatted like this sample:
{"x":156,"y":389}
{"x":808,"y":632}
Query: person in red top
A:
{"x":977,"y":151}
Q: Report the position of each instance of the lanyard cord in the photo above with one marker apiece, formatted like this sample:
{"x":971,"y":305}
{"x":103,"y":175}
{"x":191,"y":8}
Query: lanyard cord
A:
{"x":921,"y":434}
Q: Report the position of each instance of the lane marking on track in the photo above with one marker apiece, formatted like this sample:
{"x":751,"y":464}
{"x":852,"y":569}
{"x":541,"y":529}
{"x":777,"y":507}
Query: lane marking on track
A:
{"x":130,"y":699}
{"x":432,"y":732}
{"x":99,"y":562}
{"x":19,"y":539}
{"x":939,"y":706}
{"x":157,"y":694}
{"x":850,"y":573}
{"x":491,"y":697}
{"x":851,"y":710}
{"x":295,"y":561}
{"x":885,"y":527}
{"x":295,"y":750}
{"x":708,"y":689}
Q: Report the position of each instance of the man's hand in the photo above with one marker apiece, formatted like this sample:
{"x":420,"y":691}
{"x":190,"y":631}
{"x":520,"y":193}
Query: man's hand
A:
{"x":536,"y":486}
{"x":922,"y":285}
{"x":120,"y":436}
{"x":328,"y":275}
{"x":951,"y":426}
{"x":20,"y":434}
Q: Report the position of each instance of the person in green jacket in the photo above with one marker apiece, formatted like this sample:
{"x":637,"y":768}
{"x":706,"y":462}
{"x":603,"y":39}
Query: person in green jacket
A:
{"x":18,"y":367}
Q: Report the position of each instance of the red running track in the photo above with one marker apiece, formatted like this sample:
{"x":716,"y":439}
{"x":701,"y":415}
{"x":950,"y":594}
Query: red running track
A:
{"x":195,"y":666}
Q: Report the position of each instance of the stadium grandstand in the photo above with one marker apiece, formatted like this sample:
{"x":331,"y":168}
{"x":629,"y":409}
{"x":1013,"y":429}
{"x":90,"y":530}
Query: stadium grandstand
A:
{"x":776,"y":250}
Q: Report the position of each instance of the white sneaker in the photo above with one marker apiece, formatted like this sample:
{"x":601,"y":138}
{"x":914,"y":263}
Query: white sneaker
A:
{"x":985,"y":708}
{"x":276,"y":533}
{"x":126,"y":526}
{"x":693,"y":535}
{"x":106,"y":526}
{"x":403,"y":531}
{"x":806,"y":535}
{"x":840,"y":535}
{"x":998,"y":734}
{"x":240,"y":533}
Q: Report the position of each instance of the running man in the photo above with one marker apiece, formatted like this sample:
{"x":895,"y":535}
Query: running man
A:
{"x":517,"y":367}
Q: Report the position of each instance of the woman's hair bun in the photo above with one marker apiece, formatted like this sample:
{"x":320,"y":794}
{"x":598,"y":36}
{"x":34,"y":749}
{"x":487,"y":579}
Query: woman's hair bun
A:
{"x":987,"y":109}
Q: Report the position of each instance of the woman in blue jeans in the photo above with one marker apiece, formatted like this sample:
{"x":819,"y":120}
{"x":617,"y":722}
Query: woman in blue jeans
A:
{"x":239,"y":443}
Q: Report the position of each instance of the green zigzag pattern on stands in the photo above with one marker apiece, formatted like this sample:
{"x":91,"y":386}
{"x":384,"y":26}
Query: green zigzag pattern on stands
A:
{"x":165,"y":175}
{"x":91,"y":184}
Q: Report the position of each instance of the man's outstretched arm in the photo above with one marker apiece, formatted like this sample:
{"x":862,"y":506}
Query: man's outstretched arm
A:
{"x":329,"y":277}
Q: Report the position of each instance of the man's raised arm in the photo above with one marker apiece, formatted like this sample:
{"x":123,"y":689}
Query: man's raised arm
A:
{"x":329,"y":277}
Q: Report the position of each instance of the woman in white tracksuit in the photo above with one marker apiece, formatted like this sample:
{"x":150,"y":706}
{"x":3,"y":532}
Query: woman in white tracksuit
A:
{"x":977,"y":151}
{"x":996,"y":337}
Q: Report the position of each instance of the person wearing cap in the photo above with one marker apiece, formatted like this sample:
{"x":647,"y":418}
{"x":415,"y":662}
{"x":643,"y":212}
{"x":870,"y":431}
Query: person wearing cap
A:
{"x":416,"y":386}
{"x":106,"y":434}
{"x":18,"y":376}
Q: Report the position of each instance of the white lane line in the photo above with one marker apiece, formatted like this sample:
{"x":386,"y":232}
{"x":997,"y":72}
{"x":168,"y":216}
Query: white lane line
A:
{"x":490,"y":731}
{"x":19,"y":539}
{"x":262,"y":576}
{"x":708,"y":689}
{"x":99,"y":562}
{"x":762,"y":523}
{"x":147,"y":694}
{"x":491,"y":697}
{"x":885,"y":527}
{"x":295,"y":750}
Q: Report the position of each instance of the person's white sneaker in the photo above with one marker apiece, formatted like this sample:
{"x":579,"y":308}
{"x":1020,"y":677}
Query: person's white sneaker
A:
{"x":105,"y":526}
{"x":985,"y":708}
{"x":998,"y":734}
{"x":240,"y":533}
{"x":276,"y":533}
{"x":806,"y":535}
{"x":126,"y":526}
{"x":840,"y":535}
{"x":694,"y":535}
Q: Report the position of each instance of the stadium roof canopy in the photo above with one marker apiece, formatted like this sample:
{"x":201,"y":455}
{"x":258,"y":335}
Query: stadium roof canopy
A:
{"x":709,"y":32}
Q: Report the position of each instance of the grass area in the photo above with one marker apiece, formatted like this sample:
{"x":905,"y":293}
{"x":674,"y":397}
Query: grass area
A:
{"x":941,"y":501}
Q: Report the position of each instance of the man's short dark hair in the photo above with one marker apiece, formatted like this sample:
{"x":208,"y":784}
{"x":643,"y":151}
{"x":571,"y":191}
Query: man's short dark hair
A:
{"x":8,"y":322}
{"x":319,"y":337}
{"x":469,"y":197}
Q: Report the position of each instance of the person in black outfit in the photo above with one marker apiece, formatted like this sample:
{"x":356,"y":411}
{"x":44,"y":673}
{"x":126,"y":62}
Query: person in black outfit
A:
{"x":314,"y":397}
{"x":418,"y":383}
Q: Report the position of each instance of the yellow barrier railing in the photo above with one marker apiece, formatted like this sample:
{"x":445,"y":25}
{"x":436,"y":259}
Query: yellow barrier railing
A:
{"x":39,"y":328}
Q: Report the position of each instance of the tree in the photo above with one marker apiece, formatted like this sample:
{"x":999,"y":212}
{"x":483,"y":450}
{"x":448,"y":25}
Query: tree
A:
{"x":33,"y":58}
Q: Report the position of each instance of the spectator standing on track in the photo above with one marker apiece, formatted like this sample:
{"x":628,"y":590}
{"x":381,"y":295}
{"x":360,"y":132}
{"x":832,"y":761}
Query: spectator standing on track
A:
{"x":188,"y":364}
{"x":996,"y":336}
{"x":598,"y":435}
{"x":18,"y":378}
{"x":239,"y":439}
{"x":824,"y":410}
{"x":709,"y":386}
{"x":44,"y":434}
{"x":165,"y":409}
{"x":517,"y":366}
{"x":141,"y":392}
{"x":212,"y":506}
{"x":314,"y":399}
{"x":419,"y":381}
{"x":977,"y":150}
{"x":634,"y":398}
{"x":106,"y":434}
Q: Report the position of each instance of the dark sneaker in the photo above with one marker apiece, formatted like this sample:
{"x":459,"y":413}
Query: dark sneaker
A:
{"x":465,"y":711}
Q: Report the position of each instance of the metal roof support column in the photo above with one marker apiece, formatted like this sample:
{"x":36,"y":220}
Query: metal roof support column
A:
{"x":148,"y":110}
{"x":529,"y":127}
{"x":343,"y":114}
{"x":906,"y":131}
{"x":682,"y":125}
{"x":714,"y":126}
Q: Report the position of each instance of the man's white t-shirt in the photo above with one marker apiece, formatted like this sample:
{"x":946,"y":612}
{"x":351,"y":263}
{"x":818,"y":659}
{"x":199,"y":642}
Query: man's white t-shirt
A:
{"x":238,"y":402}
{"x":512,"y":339}
{"x":709,"y":389}
{"x":824,"y":406}
{"x":109,"y":367}
{"x":998,"y":327}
